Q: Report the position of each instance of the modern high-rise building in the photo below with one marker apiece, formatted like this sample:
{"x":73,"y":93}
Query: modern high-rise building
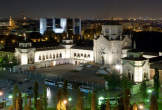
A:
{"x":77,"y":26}
{"x":43,"y":25}
{"x":61,"y":25}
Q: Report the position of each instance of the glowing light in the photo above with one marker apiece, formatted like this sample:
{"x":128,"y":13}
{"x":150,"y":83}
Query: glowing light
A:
{"x":1,"y":93}
{"x":10,"y":96}
{"x":48,"y":93}
{"x":24,"y":59}
{"x":69,"y":99}
{"x":65,"y":101}
{"x":117,"y":67}
{"x":141,"y":106}
{"x":149,"y":91}
{"x":100,"y":100}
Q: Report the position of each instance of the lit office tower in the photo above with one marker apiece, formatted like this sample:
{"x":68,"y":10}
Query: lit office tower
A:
{"x":70,"y":28}
{"x":43,"y":25}
{"x":59,"y":25}
{"x":49,"y":24}
{"x":77,"y":26}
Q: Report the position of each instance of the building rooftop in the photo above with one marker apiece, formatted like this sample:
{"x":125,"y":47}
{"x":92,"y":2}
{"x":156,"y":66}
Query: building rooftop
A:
{"x":134,"y":59}
{"x":49,"y":48}
{"x":84,"y":48}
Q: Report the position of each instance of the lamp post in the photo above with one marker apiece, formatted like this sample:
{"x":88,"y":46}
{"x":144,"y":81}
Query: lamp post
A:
{"x":141,"y":107}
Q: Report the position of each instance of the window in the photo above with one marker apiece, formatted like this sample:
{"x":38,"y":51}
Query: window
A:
{"x":50,"y":56}
{"x":40,"y":58}
{"x":78,"y":55}
{"x":74,"y":54}
{"x":46,"y":56}
{"x":43,"y":57}
{"x":60,"y":55}
{"x":53,"y":56}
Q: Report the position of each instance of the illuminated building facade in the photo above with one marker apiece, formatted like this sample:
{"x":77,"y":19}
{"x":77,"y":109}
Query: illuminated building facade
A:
{"x":136,"y":67}
{"x":110,"y":48}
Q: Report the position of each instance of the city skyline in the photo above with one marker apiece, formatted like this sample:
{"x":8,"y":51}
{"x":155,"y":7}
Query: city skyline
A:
{"x":82,"y":9}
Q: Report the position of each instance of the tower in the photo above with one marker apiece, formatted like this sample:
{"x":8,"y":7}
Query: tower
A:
{"x":25,"y":52}
{"x":43,"y":25}
{"x":59,"y":25}
{"x":67,"y":44}
{"x":12,"y":24}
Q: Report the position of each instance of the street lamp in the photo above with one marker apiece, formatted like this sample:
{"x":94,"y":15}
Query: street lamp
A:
{"x":10,"y":96}
{"x":69,"y":99}
{"x":100,"y":100}
{"x":141,"y":106}
{"x":149,"y":91}
{"x":1,"y":93}
{"x":65,"y":102}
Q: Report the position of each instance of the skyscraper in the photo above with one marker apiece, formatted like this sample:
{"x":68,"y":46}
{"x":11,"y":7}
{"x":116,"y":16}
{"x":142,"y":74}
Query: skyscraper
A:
{"x":43,"y":25}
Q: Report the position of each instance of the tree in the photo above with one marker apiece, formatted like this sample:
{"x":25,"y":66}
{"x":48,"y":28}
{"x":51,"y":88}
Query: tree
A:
{"x":19,"y":102}
{"x":39,"y":104}
{"x":26,"y":102}
{"x":121,"y":104}
{"x":11,"y":107}
{"x":108,"y":105}
{"x":59,"y":99}
{"x":93,"y":101}
{"x":5,"y":61}
{"x":156,"y":82}
{"x":15,"y":93}
{"x":154,"y":103}
{"x":79,"y":104}
{"x":135,"y":107}
{"x":126,"y":99}
{"x":35,"y":93}
{"x":126,"y":83}
{"x":113,"y":80}
{"x":45,"y":97}
{"x":29,"y":104}
{"x":65,"y":92}
{"x":143,"y":89}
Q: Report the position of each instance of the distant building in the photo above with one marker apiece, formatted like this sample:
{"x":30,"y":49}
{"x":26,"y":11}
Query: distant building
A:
{"x":61,"y":25}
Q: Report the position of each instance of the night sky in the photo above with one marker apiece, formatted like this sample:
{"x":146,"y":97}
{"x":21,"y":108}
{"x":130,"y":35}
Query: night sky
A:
{"x":81,"y":8}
